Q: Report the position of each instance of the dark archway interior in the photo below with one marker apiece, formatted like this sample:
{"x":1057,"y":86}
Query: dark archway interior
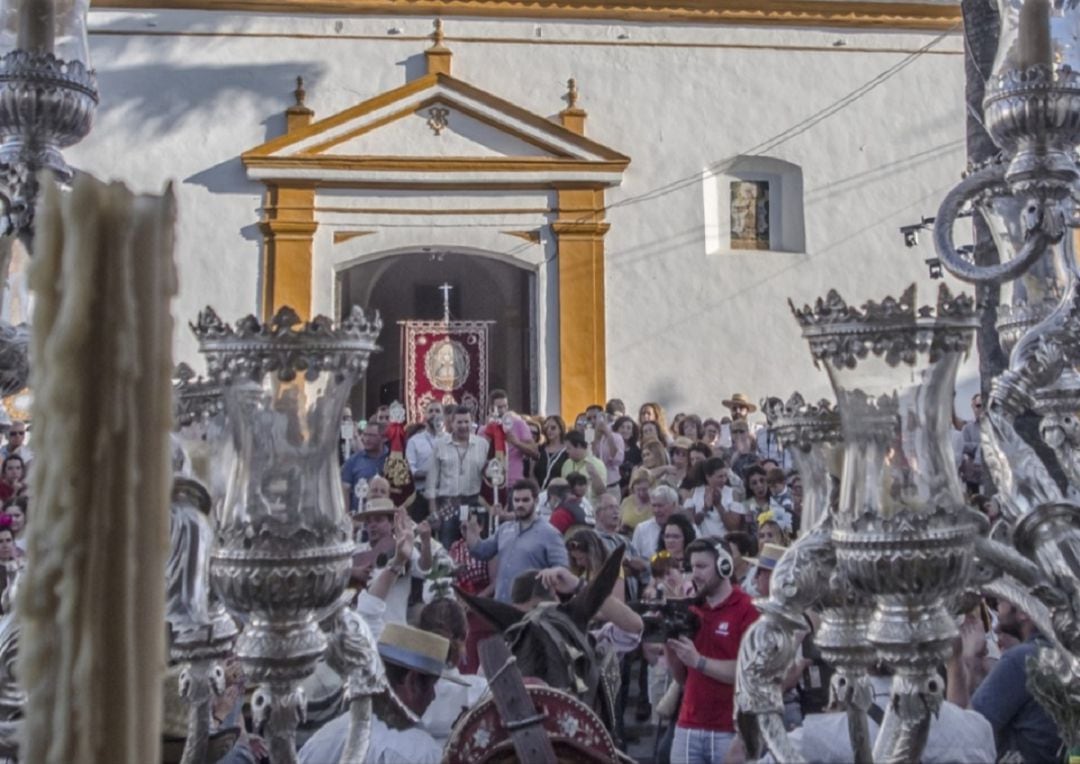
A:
{"x":406,"y":286}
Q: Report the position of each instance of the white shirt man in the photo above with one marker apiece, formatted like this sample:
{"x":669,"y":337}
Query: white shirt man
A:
{"x":455,"y":476}
{"x":457,"y":466}
{"x":664,"y":500}
{"x":421,"y":446}
{"x":955,"y":734}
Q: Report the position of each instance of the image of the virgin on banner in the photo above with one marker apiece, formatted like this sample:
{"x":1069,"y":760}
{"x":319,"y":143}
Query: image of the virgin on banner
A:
{"x":445,"y":361}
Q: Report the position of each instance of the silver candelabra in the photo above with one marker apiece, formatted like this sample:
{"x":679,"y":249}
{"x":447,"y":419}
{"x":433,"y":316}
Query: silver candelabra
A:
{"x":284,"y":543}
{"x":899,"y":540}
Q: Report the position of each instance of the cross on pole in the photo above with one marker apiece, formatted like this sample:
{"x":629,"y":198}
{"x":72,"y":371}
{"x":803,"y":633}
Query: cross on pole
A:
{"x":445,"y":289}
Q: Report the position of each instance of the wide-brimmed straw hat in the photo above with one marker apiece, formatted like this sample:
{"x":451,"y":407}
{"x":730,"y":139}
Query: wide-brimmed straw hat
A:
{"x":415,"y":649}
{"x":192,"y":491}
{"x":768,"y":556}
{"x":376,"y":507}
{"x":738,"y":399}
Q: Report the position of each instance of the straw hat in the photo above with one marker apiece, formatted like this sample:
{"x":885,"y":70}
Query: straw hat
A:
{"x":683,"y":442}
{"x":415,"y":649}
{"x":375,"y":508}
{"x":738,"y":399}
{"x":191,"y":491}
{"x":768,"y":556}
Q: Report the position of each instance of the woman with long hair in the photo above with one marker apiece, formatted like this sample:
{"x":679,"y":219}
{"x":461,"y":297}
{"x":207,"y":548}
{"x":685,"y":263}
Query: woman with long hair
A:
{"x":635,"y":507}
{"x":675,"y":425}
{"x":653,"y":431}
{"x":699,"y":452}
{"x":680,"y":459}
{"x":12,"y":477}
{"x":712,"y":498}
{"x":587,"y":554}
{"x":675,"y":536}
{"x":653,"y":412}
{"x":757,"y":497}
{"x":628,"y":430}
{"x":654,"y":459}
{"x":770,"y":531}
{"x":16,"y":510}
{"x":553,"y":453}
{"x":691,"y":427}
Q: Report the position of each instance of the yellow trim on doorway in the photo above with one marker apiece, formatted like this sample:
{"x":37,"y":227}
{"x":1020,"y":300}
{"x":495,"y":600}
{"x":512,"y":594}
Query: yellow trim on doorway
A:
{"x":288,"y":228}
{"x":579,"y":175}
{"x":579,"y":232}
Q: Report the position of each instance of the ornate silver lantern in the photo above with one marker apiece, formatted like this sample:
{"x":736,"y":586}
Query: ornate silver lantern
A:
{"x":283,"y":539}
{"x":47,"y":101}
{"x":48,"y":96}
{"x":201,"y":632}
{"x":902,"y":534}
{"x":800,"y":581}
{"x":1032,"y":103}
{"x":885,"y":563}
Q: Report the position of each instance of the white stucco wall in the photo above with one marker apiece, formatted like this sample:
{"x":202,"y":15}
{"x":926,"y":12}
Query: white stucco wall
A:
{"x":184,"y":93}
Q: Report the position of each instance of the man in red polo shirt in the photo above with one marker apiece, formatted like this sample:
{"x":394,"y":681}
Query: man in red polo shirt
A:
{"x":705,"y":666}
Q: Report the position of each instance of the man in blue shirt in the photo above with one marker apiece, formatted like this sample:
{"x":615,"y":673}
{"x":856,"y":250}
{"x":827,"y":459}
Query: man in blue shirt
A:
{"x":1021,"y":725}
{"x":526,"y":543}
{"x":364,"y":464}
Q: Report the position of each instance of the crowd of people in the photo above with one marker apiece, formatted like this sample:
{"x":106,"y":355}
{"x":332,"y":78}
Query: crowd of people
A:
{"x":703,"y":509}
{"x":15,"y":461}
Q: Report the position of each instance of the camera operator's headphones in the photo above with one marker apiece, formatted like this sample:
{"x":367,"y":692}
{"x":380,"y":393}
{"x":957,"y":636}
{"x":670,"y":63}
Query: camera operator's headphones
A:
{"x":725,"y":566}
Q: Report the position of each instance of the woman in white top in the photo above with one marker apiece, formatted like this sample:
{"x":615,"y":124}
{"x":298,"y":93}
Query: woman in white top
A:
{"x":712,"y":499}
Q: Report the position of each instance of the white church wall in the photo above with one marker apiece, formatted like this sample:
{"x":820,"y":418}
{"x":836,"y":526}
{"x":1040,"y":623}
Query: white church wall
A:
{"x":184,"y":93}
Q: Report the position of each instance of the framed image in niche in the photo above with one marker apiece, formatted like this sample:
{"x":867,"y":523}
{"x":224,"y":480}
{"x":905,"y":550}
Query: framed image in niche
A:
{"x":750,"y":214}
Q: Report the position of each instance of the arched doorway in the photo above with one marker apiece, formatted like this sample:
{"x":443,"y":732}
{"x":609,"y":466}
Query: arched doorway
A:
{"x":405,"y":286}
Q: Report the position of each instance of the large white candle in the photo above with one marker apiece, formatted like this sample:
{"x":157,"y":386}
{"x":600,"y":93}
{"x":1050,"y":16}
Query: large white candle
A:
{"x":92,"y":600}
{"x":1033,"y":37}
{"x":37,"y":26}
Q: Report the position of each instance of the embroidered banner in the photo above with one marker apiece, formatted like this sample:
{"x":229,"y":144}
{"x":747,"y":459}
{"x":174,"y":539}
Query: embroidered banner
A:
{"x":446,"y":362}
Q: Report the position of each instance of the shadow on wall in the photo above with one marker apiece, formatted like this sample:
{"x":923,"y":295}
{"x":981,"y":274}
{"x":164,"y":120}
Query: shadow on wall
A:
{"x":159,"y":98}
{"x":201,"y":94}
{"x":415,"y":66}
{"x":223,"y":178}
{"x":155,"y":92}
{"x":664,"y":390}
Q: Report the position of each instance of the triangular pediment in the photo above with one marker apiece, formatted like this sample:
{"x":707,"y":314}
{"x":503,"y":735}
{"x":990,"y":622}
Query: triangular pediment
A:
{"x":435,"y":128}
{"x":441,"y":127}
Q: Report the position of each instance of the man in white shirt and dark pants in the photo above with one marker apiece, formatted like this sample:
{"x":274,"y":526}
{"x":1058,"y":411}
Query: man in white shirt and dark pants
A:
{"x":455,"y":476}
{"x":421,"y":446}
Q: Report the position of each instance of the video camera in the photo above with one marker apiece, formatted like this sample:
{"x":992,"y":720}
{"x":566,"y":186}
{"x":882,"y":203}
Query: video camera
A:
{"x":668,"y":619}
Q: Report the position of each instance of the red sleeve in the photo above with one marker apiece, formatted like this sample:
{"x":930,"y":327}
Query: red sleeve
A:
{"x":561,"y":519}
